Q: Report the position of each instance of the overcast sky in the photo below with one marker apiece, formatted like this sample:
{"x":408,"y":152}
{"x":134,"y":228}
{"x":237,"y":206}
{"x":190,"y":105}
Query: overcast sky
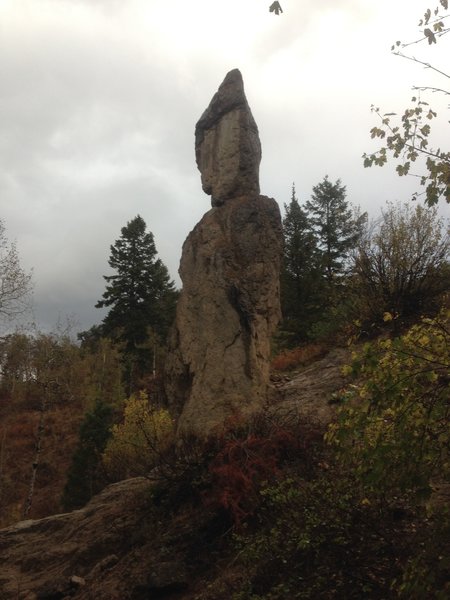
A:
{"x":99,"y":100}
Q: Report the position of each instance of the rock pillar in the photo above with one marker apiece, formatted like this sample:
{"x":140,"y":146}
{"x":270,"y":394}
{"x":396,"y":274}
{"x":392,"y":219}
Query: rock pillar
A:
{"x":229,"y":307}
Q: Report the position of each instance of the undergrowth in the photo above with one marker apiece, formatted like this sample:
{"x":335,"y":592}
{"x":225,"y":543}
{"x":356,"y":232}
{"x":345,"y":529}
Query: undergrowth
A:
{"x":227,"y":473}
{"x":290,"y":359}
{"x":351,"y":515}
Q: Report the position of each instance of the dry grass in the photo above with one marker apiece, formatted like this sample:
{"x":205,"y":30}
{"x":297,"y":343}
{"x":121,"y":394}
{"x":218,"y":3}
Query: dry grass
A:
{"x":17,"y":448}
{"x":289,"y":360}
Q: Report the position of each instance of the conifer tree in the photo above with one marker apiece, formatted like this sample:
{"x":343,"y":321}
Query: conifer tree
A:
{"x":140,"y":295}
{"x":300,"y":278}
{"x":84,"y":479}
{"x":336,"y":225}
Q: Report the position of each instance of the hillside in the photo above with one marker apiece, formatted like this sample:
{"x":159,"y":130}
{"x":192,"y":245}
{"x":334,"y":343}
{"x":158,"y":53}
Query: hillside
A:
{"x":18,"y":430}
{"x":266,"y":512}
{"x":123,"y":544}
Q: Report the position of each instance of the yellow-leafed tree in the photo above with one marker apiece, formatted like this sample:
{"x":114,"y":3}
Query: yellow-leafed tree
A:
{"x":138,"y":441}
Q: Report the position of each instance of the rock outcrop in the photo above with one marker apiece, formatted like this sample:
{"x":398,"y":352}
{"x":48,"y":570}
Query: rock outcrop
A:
{"x":218,"y":363}
{"x":64,"y":555}
{"x":115,"y":548}
{"x":309,"y":393}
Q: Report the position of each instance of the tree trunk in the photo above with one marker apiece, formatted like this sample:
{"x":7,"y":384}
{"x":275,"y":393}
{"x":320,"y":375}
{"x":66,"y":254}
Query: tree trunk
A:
{"x":36,"y":458}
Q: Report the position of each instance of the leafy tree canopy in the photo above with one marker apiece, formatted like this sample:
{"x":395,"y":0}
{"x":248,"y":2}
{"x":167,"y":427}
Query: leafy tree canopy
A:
{"x":275,"y":7}
{"x":137,"y":442}
{"x":400,"y":263}
{"x":15,"y":284}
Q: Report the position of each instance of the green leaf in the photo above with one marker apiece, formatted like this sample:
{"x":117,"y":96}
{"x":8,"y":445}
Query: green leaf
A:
{"x":430,"y":36}
{"x":403,"y":169}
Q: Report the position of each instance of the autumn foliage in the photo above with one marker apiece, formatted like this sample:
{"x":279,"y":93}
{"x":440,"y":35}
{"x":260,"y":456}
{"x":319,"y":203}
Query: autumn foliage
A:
{"x":247,"y":462}
{"x":288,"y":360}
{"x":137,"y":442}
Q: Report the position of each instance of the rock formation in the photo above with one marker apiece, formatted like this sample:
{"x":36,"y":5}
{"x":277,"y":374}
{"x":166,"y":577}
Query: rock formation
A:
{"x":218,"y":363}
{"x":227,"y":146}
{"x":103,"y":551}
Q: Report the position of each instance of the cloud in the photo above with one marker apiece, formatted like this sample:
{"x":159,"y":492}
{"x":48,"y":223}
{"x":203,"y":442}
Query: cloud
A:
{"x":99,"y":102}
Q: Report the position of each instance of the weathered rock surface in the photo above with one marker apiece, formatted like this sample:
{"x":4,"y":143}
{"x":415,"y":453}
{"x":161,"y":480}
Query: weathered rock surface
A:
{"x":229,"y":307}
{"x":309,"y":394}
{"x":39,"y":558}
{"x":227,"y":146}
{"x":227,"y":312}
{"x":98,"y":552}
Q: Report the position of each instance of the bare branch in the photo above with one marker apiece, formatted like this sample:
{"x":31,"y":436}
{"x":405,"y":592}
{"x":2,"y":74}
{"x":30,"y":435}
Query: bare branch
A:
{"x":421,"y":62}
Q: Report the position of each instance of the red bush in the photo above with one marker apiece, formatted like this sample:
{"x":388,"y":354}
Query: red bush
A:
{"x":290,"y":359}
{"x":242,"y":467}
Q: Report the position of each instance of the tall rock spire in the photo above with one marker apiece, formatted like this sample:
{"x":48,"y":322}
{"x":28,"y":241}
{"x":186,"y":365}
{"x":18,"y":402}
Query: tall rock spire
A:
{"x":218,"y":361}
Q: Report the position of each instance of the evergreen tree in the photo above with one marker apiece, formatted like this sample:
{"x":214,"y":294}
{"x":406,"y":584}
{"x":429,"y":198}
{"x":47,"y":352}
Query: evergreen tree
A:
{"x":300,"y":283}
{"x":336,"y":226}
{"x":83,"y":478}
{"x":140,"y":295}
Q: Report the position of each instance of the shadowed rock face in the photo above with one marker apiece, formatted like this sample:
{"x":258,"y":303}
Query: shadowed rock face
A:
{"x":227,"y":146}
{"x":218,"y":363}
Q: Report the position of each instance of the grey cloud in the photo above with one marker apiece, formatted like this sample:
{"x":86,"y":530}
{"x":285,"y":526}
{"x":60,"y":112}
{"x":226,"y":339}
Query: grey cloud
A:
{"x":98,"y":120}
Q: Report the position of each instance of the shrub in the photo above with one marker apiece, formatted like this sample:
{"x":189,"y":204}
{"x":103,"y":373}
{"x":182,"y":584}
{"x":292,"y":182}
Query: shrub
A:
{"x":288,"y":360}
{"x":396,"y":431}
{"x":427,"y":571}
{"x":137,"y":442}
{"x":318,"y":538}
{"x":248,"y":458}
{"x":226,"y":472}
{"x":241,"y":468}
{"x":401,"y":264}
{"x":394,"y":434}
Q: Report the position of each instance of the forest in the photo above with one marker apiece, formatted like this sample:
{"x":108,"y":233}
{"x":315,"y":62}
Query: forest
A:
{"x":355,"y":509}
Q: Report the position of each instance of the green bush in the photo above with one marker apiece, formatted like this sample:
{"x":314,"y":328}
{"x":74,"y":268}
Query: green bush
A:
{"x":319,"y":538}
{"x":395,"y":428}
{"x":393,"y":432}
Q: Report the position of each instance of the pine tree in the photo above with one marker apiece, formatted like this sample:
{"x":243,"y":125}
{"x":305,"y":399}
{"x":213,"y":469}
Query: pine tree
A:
{"x":300,"y":278}
{"x":84,"y":479}
{"x":336,"y":226}
{"x":140,"y":294}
